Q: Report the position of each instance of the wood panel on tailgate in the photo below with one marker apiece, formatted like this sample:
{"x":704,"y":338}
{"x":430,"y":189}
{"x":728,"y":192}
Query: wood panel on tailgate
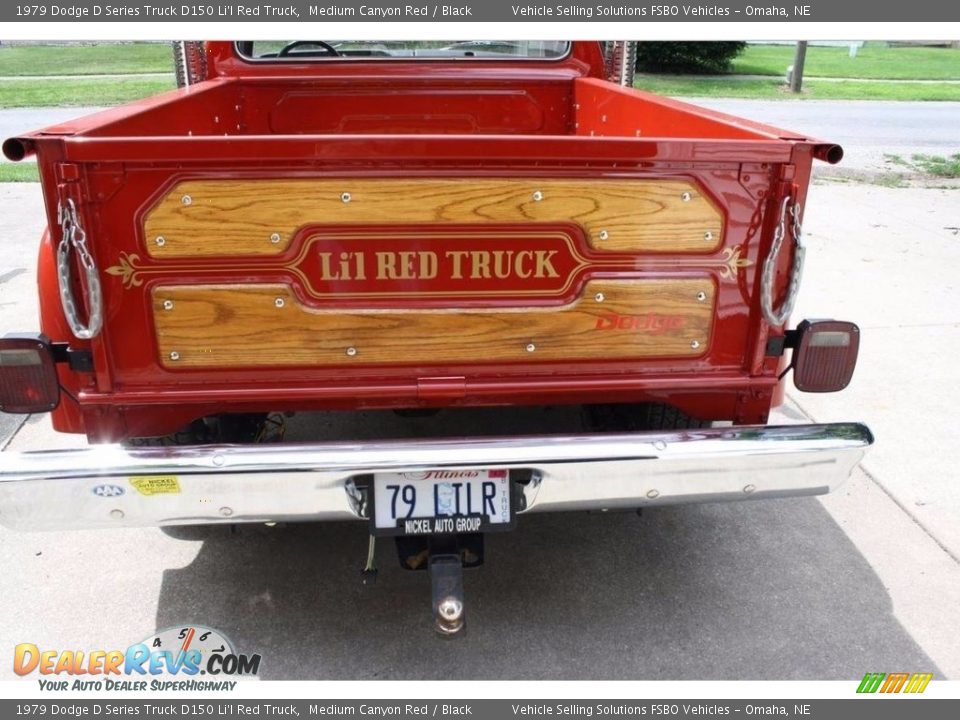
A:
{"x":322,"y":272}
{"x":232,"y":326}
{"x":248,"y":217}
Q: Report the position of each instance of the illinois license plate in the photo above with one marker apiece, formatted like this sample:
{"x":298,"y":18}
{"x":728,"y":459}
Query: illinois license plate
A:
{"x":442,"y":502}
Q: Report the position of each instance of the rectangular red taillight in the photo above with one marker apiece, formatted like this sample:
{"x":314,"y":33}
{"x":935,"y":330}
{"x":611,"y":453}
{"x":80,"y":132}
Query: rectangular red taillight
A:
{"x":28,"y":375}
{"x":825,"y":355}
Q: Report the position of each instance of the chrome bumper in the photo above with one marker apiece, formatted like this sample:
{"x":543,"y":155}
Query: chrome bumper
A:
{"x":111,"y":486}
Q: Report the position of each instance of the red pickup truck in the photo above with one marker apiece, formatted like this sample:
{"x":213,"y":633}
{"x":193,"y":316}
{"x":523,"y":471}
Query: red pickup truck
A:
{"x":315,"y":226}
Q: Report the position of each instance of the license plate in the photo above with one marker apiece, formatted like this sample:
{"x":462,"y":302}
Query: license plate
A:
{"x":442,"y":502}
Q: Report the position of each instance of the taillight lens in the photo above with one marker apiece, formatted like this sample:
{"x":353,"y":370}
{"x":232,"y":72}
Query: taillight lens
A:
{"x":825,"y":355}
{"x":28,"y":375}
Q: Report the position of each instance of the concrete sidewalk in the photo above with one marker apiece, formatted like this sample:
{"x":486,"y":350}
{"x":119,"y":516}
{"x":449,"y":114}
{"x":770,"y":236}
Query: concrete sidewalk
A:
{"x":736,"y":77}
{"x":888,"y":260}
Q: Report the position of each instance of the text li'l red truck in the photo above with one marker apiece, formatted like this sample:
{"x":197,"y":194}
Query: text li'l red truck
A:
{"x":314,"y":226}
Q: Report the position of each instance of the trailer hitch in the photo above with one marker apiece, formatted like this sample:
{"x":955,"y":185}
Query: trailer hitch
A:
{"x":445,"y":563}
{"x":446,"y":585}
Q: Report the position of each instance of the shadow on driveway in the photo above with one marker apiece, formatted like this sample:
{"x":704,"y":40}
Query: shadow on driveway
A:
{"x":763,"y":590}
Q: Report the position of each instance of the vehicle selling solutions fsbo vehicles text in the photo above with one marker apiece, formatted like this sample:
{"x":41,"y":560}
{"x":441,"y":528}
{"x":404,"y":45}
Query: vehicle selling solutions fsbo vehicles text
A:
{"x":656,"y":11}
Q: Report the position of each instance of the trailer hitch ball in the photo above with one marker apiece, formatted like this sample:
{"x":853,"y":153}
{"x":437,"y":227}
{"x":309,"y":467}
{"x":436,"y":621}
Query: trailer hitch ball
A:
{"x":450,"y":616}
{"x":446,"y":581}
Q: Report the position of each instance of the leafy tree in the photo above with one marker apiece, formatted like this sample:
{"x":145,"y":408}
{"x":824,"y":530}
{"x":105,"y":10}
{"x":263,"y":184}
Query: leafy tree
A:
{"x":687,"y":57}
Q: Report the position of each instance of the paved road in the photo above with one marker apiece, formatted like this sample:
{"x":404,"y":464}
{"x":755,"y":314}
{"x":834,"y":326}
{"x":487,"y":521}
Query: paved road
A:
{"x":866,"y":129}
{"x":14,"y":121}
{"x":866,"y":578}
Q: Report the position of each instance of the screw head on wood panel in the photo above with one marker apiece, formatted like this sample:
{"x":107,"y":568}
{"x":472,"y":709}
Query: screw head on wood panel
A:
{"x":603,"y":235}
{"x":346,"y":197}
{"x":279,"y":302}
{"x":160,"y":241}
{"x":531,"y":347}
{"x":695,"y":344}
{"x":168,"y":304}
{"x":174,"y":355}
{"x":537,"y":196}
{"x":708,"y":236}
{"x":599,"y":297}
{"x":686,"y":197}
{"x":275,"y":238}
{"x":351,"y":351}
{"x":701,"y":296}
{"x":186,"y":200}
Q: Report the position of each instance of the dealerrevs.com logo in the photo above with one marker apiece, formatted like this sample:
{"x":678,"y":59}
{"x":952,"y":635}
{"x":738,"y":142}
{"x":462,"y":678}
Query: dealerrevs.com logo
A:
{"x":189,"y":657}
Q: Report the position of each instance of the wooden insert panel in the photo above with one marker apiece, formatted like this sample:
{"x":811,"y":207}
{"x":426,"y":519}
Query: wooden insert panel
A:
{"x":237,"y":326}
{"x":261,"y":217}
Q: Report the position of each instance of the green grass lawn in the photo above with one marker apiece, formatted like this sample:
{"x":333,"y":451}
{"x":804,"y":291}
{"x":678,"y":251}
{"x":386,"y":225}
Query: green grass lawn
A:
{"x":19,"y":172}
{"x":80,"y":91}
{"x":940,"y":166}
{"x":104,"y":59}
{"x":774,"y":89}
{"x":873,"y":61}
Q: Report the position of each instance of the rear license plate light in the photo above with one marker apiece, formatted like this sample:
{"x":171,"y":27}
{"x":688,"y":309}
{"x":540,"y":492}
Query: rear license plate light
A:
{"x":825,"y":355}
{"x":28,"y":375}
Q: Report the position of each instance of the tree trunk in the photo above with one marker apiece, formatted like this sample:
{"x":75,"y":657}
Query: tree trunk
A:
{"x":796,"y":77}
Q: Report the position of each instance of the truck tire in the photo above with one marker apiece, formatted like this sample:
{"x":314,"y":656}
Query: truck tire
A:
{"x":638,"y":417}
{"x":247,"y":428}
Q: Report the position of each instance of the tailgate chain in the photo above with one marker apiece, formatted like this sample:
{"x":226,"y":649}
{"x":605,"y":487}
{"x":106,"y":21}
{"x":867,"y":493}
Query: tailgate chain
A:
{"x":74,"y":237}
{"x":777,"y":318}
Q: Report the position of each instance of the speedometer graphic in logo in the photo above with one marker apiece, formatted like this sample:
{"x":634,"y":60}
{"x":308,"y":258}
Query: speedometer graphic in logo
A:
{"x":198,"y":640}
{"x":199,"y":650}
